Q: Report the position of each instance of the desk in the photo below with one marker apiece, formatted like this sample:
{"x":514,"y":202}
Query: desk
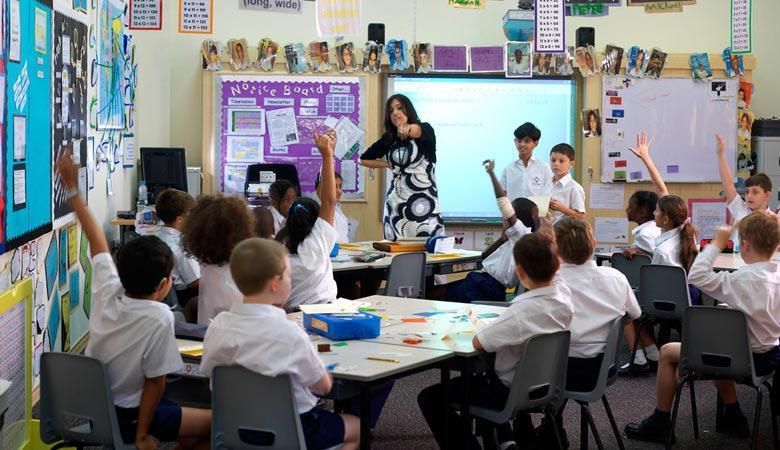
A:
{"x":126,"y":226}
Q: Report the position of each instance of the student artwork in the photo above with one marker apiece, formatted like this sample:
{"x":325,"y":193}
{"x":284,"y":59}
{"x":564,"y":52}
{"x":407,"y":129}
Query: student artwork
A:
{"x":637,"y":61}
{"x":210,"y":50}
{"x":591,"y":123}
{"x":613,"y":59}
{"x":319,"y":57}
{"x":396,"y":55}
{"x":586,"y":60}
{"x":372,"y":57}
{"x":296,"y":58}
{"x":266,"y":54}
{"x":239,"y":56}
{"x":563,"y":62}
{"x":727,"y":63}
{"x":744,"y":94}
{"x":519,"y":57}
{"x":700,"y":66}
{"x":345,"y":58}
{"x":656,"y":64}
{"x":423,"y":58}
{"x":111,"y":40}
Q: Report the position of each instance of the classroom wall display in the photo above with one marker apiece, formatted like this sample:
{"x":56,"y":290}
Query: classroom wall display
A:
{"x":15,"y":365}
{"x":666,"y":108}
{"x":110,"y":108}
{"x":272,"y":119}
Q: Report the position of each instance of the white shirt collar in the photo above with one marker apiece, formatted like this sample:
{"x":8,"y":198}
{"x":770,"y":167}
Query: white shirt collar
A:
{"x":666,"y":235}
{"x":540,"y":292}
{"x":170,"y":230}
{"x":257,"y":309}
{"x":639,"y":228}
{"x":566,"y":179}
{"x":591,"y":263}
{"x":531,"y":162}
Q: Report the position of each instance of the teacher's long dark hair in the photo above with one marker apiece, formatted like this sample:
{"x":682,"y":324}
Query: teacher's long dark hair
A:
{"x":391,"y":132}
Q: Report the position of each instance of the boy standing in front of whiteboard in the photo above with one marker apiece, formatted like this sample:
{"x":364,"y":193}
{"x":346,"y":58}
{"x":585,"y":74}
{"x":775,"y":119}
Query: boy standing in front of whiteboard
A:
{"x":527,"y":176}
{"x":131,"y":332}
{"x":568,"y":196}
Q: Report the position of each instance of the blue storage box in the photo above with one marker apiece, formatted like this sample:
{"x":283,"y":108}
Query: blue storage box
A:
{"x":342,"y":327}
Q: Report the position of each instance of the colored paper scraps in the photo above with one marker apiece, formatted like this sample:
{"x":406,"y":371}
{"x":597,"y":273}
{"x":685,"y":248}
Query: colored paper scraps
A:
{"x":413,"y":320}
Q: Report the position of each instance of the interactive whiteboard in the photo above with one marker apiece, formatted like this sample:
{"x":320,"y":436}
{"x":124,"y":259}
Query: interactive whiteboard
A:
{"x":681,"y":115}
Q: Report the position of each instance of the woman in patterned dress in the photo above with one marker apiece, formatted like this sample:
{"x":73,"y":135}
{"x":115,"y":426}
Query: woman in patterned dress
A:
{"x":408,"y":148}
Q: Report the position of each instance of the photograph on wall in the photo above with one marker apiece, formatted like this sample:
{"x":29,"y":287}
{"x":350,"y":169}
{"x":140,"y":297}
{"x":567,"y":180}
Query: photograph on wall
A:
{"x":519,"y":56}
{"x":239,"y":54}
{"x":423,"y":57}
{"x":345,"y":57}
{"x":266,"y":56}
{"x":637,"y":61}
{"x":396,"y":55}
{"x":319,"y":57}
{"x":372,"y":57}
{"x":586,"y":60}
{"x":210,"y":51}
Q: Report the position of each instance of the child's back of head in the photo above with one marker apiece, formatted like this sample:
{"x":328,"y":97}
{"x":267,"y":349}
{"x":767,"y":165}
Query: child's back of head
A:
{"x":762,"y":231}
{"x":536,"y":254}
{"x":216,"y":224}
{"x":575,"y":240}
{"x":301,"y":218}
{"x":264,"y":222}
{"x":527,"y":212}
{"x":142,"y":264}
{"x":675,"y":210}
{"x":172,"y":204}
{"x":255,"y":262}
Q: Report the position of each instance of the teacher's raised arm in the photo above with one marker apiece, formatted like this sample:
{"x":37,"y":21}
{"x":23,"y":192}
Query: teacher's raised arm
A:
{"x":408,"y":148}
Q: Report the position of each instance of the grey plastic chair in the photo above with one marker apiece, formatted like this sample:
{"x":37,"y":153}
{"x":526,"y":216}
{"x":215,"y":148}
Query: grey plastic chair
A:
{"x":87,"y":401}
{"x":663,"y":297}
{"x":722,"y":355}
{"x":630,"y":267}
{"x":270,"y":421}
{"x":173,"y":303}
{"x":539,"y":382}
{"x":406,"y":276}
{"x":607,"y":376}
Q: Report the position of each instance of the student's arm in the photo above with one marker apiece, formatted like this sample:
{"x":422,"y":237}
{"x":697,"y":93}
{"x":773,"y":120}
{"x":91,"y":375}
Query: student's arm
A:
{"x":69,"y":174}
{"x":494,"y":246}
{"x":642,"y":150}
{"x":150,"y":397}
{"x":326,"y":144}
{"x":726,"y":179}
{"x":475,"y":342}
{"x":715,"y":284}
{"x":504,"y":204}
{"x":323,"y":386}
{"x":556,"y":205}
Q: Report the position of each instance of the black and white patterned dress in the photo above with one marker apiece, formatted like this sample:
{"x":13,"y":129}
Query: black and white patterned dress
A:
{"x":412,"y":203}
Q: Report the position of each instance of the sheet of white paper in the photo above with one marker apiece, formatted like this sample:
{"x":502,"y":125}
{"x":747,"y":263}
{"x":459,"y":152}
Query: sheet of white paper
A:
{"x":607,"y":195}
{"x":20,"y":186}
{"x":128,"y":158}
{"x":65,"y":50}
{"x":331,"y":122}
{"x":91,"y":163}
{"x":244,"y":149}
{"x":348,"y":175}
{"x":76,"y":155}
{"x":484,"y":239}
{"x":542,"y":203}
{"x":340,"y":306}
{"x":15,"y":31}
{"x":247,"y":122}
{"x":463,"y":239}
{"x":611,"y":229}
{"x":338,"y":18}
{"x":40,"y":30}
{"x":445,"y":245}
{"x":20,"y":138}
{"x":235,"y":176}
{"x":83,"y":184}
{"x":347,"y":136}
{"x":282,"y":127}
{"x":707,"y":217}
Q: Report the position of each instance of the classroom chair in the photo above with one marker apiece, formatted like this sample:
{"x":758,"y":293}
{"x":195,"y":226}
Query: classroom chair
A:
{"x":663,"y":297}
{"x":75,"y":388}
{"x":539,"y":382}
{"x":406,"y":276}
{"x":173,"y":303}
{"x":269,"y":422}
{"x":607,"y":377}
{"x":630,"y":267}
{"x":705,"y":355}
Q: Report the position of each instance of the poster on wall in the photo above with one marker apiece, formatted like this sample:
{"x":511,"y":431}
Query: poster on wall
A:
{"x":145,"y":14}
{"x":741,"y":22}
{"x":195,"y":16}
{"x":110,"y":65}
{"x":273,"y":119}
{"x":70,"y":101}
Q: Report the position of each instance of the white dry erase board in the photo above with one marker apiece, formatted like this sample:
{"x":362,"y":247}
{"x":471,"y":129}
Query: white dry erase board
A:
{"x":681,"y":115}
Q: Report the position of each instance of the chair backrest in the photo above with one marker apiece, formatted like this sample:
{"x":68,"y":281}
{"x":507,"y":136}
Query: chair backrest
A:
{"x":269,"y":420}
{"x":540,"y":374}
{"x":715,"y":344}
{"x":406,"y":276}
{"x":630,"y":267}
{"x":663,"y":291}
{"x":76,"y":389}
{"x":609,"y":363}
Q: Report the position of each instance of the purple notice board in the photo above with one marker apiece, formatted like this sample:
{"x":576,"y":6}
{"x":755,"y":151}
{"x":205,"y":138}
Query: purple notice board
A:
{"x":272,"y":119}
{"x":450,"y":58}
{"x":488,"y":59}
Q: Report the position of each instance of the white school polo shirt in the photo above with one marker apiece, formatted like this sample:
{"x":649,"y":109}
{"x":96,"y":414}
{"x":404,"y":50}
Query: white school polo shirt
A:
{"x":753,"y":289}
{"x":311,"y":270}
{"x":279,"y":220}
{"x":522,"y":181}
{"x":340,"y":221}
{"x":217,"y":291}
{"x":133,"y":338}
{"x":570,"y":193}
{"x":538,"y":311}
{"x":667,"y":248}
{"x":185,"y":269}
{"x":501,"y":264}
{"x":259,"y":338}
{"x":645,"y":236}
{"x":599,"y":296}
{"x":739,"y":209}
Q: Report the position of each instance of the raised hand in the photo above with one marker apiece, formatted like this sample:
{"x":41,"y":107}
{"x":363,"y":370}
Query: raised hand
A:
{"x":642,"y":149}
{"x":326,"y":143}
{"x":720,"y":147}
{"x":490,"y":165}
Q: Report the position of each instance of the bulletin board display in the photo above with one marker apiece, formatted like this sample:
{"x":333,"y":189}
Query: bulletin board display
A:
{"x":272,"y":119}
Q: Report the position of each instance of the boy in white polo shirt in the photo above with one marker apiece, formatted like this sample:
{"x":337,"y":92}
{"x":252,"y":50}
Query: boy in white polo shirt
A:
{"x":758,"y":188}
{"x":256,"y":335}
{"x":527,"y":176}
{"x":753,"y":289}
{"x":131,"y":332}
{"x":543,"y":309}
{"x":568,"y":197}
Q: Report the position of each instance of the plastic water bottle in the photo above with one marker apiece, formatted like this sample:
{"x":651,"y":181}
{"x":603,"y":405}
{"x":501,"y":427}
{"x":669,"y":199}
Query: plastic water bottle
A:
{"x":142,"y":195}
{"x":145,"y":217}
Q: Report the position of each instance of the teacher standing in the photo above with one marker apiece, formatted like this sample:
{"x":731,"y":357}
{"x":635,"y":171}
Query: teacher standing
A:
{"x":408,"y":148}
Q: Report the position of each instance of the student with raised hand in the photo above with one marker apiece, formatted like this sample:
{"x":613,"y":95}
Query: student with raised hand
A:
{"x":758,"y":188}
{"x":641,"y":210}
{"x":753,"y":289}
{"x":131,"y":332}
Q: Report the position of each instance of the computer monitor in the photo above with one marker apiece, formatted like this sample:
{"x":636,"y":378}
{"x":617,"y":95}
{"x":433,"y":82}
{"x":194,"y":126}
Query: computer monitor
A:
{"x":163,"y":168}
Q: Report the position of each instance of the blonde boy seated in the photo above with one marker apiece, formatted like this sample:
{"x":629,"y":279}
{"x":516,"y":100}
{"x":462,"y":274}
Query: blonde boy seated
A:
{"x":256,"y":334}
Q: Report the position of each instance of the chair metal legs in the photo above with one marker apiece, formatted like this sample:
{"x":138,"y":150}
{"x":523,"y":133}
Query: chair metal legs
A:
{"x":756,"y":418}
{"x":585,"y":412}
{"x":693,"y":411}
{"x":773,"y":411}
{"x":549,"y":412}
{"x":675,"y":409}
{"x":618,"y":436}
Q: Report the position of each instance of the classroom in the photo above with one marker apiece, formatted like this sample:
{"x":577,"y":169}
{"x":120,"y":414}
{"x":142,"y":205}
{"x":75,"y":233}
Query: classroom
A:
{"x":414,"y":224}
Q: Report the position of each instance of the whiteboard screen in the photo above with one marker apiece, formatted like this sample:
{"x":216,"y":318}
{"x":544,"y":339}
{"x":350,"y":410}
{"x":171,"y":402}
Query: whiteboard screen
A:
{"x":682,"y":117}
{"x":474,"y":119}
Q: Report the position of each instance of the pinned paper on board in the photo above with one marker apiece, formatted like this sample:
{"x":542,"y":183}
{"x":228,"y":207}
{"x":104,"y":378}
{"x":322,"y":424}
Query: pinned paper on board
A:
{"x":244,"y":149}
{"x":282,"y":128}
{"x":611,"y":229}
{"x":348,"y":137}
{"x":607,"y":196}
{"x":247,"y":122}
